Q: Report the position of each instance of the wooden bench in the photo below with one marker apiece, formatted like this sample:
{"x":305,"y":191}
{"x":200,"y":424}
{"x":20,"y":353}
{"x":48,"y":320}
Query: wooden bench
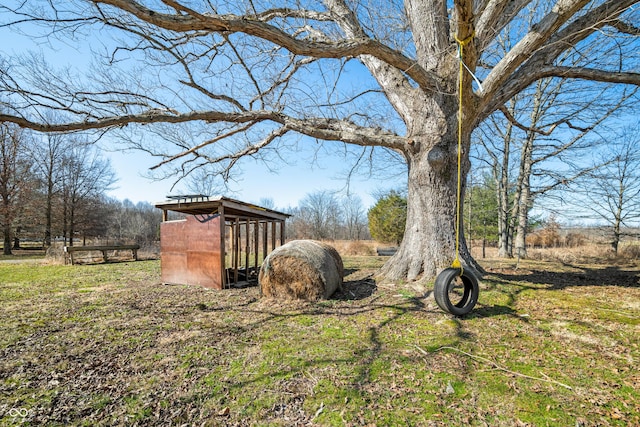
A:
{"x":70,"y":250}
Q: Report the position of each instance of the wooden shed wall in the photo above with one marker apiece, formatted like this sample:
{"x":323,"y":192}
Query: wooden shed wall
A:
{"x":191,"y":253}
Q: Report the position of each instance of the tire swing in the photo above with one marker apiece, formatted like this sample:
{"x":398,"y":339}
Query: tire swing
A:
{"x":456,"y":290}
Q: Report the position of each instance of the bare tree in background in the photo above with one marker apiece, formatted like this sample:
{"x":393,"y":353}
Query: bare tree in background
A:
{"x":48,"y":154}
{"x":205,"y":182}
{"x":354,"y":217}
{"x":369,"y":74}
{"x":267,"y":202}
{"x":128,"y":222}
{"x":612,"y":192}
{"x":535,"y":143}
{"x":86,"y":175}
{"x":319,"y":215}
{"x":15,"y":177}
{"x":561,"y":130}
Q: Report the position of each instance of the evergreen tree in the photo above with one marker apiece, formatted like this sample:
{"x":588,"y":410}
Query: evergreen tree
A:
{"x":387,"y":218}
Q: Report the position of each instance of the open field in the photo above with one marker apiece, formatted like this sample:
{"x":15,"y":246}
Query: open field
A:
{"x":550,"y":343}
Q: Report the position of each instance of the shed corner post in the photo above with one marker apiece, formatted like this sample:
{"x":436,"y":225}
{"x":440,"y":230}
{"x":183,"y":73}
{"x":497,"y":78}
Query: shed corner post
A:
{"x":256,"y":243}
{"x":273,"y":235}
{"x":223,"y":249}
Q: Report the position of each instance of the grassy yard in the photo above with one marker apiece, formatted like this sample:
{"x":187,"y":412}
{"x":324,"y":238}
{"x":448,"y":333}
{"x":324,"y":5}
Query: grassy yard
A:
{"x":549,"y":343}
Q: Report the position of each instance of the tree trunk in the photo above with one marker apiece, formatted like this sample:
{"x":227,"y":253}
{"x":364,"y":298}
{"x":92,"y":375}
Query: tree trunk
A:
{"x":524,"y":203}
{"x":5,"y":210}
{"x":72,"y":225}
{"x":526,"y":167}
{"x":6,"y":229}
{"x":429,"y":243}
{"x":504,"y":241}
{"x":616,"y":232}
{"x":505,"y":233}
{"x":65,"y":217}
{"x":618,"y":215}
{"x":7,"y":240}
{"x":48,"y":211}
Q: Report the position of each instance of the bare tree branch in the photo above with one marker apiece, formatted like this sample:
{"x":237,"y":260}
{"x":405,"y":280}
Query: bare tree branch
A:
{"x":504,"y":110}
{"x":530,"y":43}
{"x":625,"y":27}
{"x":246,"y":25}
{"x":493,"y":17}
{"x":592,"y":74}
{"x":537,"y":62}
{"x":233,"y":158}
{"x":204,"y":144}
{"x":327,"y":129}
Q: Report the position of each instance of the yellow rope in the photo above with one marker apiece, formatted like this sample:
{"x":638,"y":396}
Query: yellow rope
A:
{"x":461,"y":44}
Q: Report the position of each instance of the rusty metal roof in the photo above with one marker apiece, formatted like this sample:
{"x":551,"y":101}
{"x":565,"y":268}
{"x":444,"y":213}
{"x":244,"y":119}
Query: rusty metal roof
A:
{"x":197,"y":204}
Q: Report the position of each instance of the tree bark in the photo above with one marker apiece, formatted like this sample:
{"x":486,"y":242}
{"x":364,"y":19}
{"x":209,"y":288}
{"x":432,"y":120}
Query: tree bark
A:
{"x":48,"y":210}
{"x":72,"y":223}
{"x":65,"y":217}
{"x":502,"y":188}
{"x":6,"y":231}
{"x":429,"y":242}
{"x":524,"y":201}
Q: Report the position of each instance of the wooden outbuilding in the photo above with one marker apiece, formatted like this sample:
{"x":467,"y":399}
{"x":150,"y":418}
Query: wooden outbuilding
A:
{"x":218,"y":242}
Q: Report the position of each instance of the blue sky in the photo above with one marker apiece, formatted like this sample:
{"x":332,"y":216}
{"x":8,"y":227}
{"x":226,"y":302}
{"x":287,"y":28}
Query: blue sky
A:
{"x":286,"y":187}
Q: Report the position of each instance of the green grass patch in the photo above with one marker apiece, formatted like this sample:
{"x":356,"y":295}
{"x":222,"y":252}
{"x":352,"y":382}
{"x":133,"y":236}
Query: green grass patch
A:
{"x":107,"y":344}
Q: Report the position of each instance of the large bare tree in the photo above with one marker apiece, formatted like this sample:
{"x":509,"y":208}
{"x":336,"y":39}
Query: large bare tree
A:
{"x":611,"y":192}
{"x":48,"y":155}
{"x":561,"y":130}
{"x":86,"y":175}
{"x":249,"y":74}
{"x":15,"y":180}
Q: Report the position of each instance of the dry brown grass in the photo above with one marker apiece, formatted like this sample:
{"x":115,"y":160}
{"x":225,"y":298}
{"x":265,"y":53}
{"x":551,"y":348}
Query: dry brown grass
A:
{"x":596,"y":253}
{"x":355,"y":247}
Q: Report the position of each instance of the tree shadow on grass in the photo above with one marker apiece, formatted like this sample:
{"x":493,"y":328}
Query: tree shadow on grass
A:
{"x":580,"y":276}
{"x":491,"y":311}
{"x":355,"y":290}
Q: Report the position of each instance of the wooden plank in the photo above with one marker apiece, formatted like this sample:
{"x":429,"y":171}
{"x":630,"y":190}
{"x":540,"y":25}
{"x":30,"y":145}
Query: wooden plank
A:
{"x":283,"y":236}
{"x":265,"y":239}
{"x":253,"y":210}
{"x":256,"y":235}
{"x":207,"y":205}
{"x":190,"y":252}
{"x":273,"y":235}
{"x":223,"y":250}
{"x":236,"y":248}
{"x":70,"y":250}
{"x":100,"y":248}
{"x":246,"y":250}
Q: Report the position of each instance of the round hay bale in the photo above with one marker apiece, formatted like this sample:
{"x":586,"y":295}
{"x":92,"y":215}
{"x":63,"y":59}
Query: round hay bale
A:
{"x":55,"y":254}
{"x":301,"y":269}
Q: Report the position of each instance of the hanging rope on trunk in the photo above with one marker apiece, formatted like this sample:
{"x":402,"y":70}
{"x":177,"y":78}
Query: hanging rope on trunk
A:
{"x":450,"y":279}
{"x":461,"y":44}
